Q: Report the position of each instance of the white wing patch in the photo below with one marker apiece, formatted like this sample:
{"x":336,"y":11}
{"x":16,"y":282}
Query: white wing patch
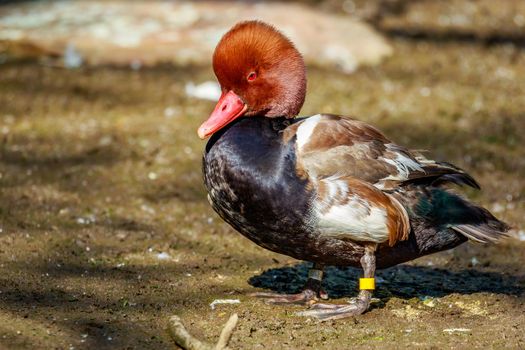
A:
{"x":305,"y":130}
{"x":403,"y":164}
{"x":356,"y":219}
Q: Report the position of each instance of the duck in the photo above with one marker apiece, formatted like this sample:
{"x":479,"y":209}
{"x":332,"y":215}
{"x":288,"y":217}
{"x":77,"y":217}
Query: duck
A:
{"x":327,"y":189}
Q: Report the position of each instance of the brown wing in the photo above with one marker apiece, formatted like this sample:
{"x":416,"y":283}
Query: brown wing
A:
{"x":330,"y":145}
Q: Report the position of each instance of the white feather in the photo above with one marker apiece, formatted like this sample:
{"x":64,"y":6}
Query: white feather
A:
{"x":403,"y":164}
{"x":305,"y":130}
{"x":336,"y":188}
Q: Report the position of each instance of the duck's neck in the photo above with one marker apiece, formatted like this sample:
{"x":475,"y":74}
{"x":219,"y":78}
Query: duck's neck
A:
{"x":280,"y":123}
{"x":249,"y":127}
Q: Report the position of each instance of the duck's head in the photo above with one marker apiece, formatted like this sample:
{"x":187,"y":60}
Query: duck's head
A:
{"x":261,"y":73}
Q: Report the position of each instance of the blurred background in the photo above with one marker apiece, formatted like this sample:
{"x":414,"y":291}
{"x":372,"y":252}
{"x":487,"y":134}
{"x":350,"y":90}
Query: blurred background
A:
{"x":105,"y":230}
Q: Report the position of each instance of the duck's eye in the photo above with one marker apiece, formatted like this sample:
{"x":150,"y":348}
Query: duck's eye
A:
{"x":252,"y":76}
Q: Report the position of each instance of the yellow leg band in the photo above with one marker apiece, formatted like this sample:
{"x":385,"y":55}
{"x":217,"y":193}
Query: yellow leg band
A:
{"x":367,"y":283}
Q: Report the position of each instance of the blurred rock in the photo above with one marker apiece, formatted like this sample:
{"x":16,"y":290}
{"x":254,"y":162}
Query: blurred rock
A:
{"x":72,"y":58}
{"x":149,"y":32}
{"x":209,"y":90}
{"x":462,"y":19}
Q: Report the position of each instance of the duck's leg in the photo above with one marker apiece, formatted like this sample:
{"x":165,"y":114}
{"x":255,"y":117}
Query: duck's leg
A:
{"x":360,"y":304}
{"x":311,"y":293}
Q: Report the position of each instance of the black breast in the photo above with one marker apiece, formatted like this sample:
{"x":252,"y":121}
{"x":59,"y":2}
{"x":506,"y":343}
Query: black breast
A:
{"x":252,"y":184}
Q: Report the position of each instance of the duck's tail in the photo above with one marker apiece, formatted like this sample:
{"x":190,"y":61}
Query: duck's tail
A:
{"x":439,"y":220}
{"x":490,"y":231}
{"x":448,"y":210}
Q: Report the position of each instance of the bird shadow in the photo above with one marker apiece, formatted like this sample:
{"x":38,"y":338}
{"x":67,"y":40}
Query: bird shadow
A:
{"x":402,"y":281}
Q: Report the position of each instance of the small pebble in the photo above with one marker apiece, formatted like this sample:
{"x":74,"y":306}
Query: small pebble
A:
{"x":224,"y":301}
{"x":163,"y":256}
{"x":208,"y":90}
{"x":453,"y":330}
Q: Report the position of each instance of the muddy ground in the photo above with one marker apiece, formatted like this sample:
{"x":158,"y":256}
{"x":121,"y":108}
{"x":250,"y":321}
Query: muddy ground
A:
{"x":105,"y":230}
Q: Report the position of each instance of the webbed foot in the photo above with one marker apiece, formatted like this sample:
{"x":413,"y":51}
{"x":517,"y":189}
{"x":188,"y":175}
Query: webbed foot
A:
{"x":325,"y":312}
{"x":306,"y":297}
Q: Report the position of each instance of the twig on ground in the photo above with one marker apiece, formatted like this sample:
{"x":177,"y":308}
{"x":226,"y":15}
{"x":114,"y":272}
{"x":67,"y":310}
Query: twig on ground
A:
{"x":188,"y":342}
{"x":227,"y":332}
{"x":184,"y":339}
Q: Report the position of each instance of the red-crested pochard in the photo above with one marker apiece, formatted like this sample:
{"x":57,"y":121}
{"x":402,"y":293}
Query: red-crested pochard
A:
{"x":326,"y":189}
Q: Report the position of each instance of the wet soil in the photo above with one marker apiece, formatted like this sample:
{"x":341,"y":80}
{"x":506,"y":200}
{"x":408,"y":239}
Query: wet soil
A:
{"x":105,"y":230}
